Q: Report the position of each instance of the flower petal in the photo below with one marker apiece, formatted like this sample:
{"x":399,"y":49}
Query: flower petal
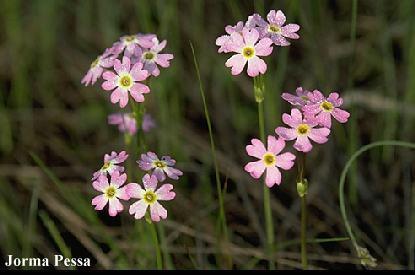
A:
{"x":164,"y":193}
{"x":273,"y":176}
{"x":303,"y":144}
{"x":256,"y":66}
{"x":157,"y":211}
{"x":115,"y":206}
{"x":286,"y":133}
{"x":256,"y":169}
{"x":237,"y":62}
{"x":275,"y":145}
{"x":257,"y":149}
{"x":99,"y":202}
{"x":138,"y":209}
{"x":150,"y":182}
{"x":285,"y":161}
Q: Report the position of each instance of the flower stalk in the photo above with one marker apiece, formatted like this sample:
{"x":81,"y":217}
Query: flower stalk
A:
{"x":259,"y":93}
{"x":302,"y":189}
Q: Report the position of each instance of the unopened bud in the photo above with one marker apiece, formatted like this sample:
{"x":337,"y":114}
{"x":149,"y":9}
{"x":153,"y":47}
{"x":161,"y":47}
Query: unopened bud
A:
{"x":302,"y":188}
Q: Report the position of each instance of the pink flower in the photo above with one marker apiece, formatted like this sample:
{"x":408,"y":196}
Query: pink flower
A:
{"x":274,"y":28}
{"x":151,"y":57}
{"x":126,"y":81}
{"x":96,"y":69}
{"x":126,"y":122}
{"x":269,"y":160}
{"x":298,"y":100}
{"x":324,"y":108}
{"x":131,"y":43}
{"x":148,"y":123}
{"x":223,"y":40}
{"x":149,"y":196}
{"x":302,"y":130}
{"x":111,"y":164}
{"x":112,"y":193}
{"x":248,"y":50}
{"x":161,"y":167}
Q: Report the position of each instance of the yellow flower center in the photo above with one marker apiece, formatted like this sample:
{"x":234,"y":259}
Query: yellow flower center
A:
{"x":159,"y":164}
{"x":150,"y":197}
{"x":149,"y":56}
{"x":130,"y":38}
{"x":126,"y":81}
{"x":95,"y":63}
{"x":110,"y":192}
{"x":303,"y":129}
{"x":106,"y":165}
{"x":269,"y":159}
{"x":248,"y":52}
{"x":326,"y":106}
{"x":274,"y":28}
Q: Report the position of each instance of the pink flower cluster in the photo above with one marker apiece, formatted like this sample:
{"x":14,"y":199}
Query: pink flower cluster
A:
{"x":110,"y":181}
{"x":309,"y":119}
{"x":129,"y":61}
{"x":254,"y":39}
{"x":127,"y":123}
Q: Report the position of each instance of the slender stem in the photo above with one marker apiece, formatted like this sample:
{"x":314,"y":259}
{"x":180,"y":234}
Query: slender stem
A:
{"x":302,"y":192}
{"x":157,"y":245}
{"x":269,"y":226}
{"x":222,"y":216}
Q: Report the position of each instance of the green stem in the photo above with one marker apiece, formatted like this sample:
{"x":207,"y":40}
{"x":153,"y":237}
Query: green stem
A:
{"x":222,"y":216}
{"x":302,"y":189}
{"x":157,"y":245}
{"x":364,"y":255}
{"x":259,"y":93}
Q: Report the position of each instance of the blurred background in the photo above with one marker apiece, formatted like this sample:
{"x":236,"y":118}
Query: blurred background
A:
{"x":54,"y":133}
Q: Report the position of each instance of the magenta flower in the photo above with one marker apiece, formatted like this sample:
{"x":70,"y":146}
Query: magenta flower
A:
{"x":324,"y":108}
{"x":111,"y":164}
{"x":149,"y":196}
{"x":298,"y":100}
{"x":151,"y":57}
{"x":302,"y":130}
{"x":131,"y":43}
{"x":112,"y":193}
{"x":96,"y":69}
{"x":126,"y":122}
{"x":126,"y":81}
{"x":161,"y":167}
{"x":248,"y":50}
{"x":223,"y":40}
{"x":274,"y":28}
{"x":269,"y":160}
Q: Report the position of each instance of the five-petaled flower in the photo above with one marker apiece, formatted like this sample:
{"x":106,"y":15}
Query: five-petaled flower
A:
{"x":270,"y":160}
{"x":125,"y":82}
{"x":324,"y":108}
{"x":111,"y":164}
{"x":274,"y":28}
{"x":149,"y":196}
{"x":96,"y":69}
{"x":248,"y":47}
{"x":302,"y":130}
{"x":298,"y":100}
{"x":163,"y":167}
{"x":112,"y":193}
{"x":151,"y":57}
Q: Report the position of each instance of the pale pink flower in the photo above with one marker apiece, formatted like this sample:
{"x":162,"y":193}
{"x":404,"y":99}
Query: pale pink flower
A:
{"x":302,"y":130}
{"x":131,"y":43}
{"x":274,"y":28}
{"x":151,"y":57}
{"x":270,"y":160}
{"x":223,"y":40}
{"x":163,"y":167}
{"x":248,"y":48}
{"x":126,"y":82}
{"x":148,"y":123}
{"x":126,"y":122}
{"x":112,"y":193}
{"x":324,"y":108}
{"x":96,"y":69}
{"x":149,"y":196}
{"x":298,"y":100}
{"x":111,"y":164}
